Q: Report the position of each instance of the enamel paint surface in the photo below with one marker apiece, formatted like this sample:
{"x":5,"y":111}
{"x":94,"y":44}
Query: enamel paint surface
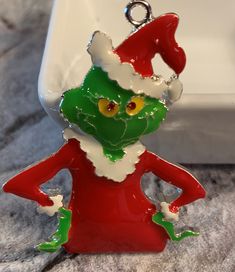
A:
{"x":168,"y":215}
{"x":108,"y":211}
{"x":101,"y":51}
{"x":209,"y":97}
{"x":107,"y":216}
{"x":115,"y":171}
{"x":51,"y":210}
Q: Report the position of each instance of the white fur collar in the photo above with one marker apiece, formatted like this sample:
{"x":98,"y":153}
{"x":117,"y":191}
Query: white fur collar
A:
{"x":116,"y":171}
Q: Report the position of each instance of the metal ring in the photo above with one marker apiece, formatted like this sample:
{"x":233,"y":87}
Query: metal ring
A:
{"x":134,"y":4}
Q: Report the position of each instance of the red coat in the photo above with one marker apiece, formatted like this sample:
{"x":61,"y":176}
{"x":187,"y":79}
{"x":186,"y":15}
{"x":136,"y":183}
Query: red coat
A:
{"x":107,"y":216}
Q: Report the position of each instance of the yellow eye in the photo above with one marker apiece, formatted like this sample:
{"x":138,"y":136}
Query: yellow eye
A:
{"x":135,"y":105}
{"x":108,"y":108}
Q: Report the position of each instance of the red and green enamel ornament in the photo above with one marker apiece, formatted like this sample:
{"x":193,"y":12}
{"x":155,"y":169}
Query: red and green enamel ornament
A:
{"x":120,"y":100}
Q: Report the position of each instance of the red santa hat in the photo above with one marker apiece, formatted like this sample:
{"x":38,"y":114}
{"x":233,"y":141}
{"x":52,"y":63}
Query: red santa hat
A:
{"x":130,"y":64}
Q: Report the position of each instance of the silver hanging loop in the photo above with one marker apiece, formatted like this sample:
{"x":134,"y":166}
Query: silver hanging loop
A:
{"x":129,"y":8}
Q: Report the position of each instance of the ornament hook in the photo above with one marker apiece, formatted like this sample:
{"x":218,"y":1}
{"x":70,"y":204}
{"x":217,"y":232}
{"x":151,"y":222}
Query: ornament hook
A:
{"x":133,"y":4}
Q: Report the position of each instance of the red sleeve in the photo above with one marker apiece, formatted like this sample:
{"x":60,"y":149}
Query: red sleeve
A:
{"x":177,"y":176}
{"x":27,"y":183}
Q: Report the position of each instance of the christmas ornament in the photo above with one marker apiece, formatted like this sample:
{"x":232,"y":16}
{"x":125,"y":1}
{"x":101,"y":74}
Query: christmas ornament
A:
{"x":120,"y":100}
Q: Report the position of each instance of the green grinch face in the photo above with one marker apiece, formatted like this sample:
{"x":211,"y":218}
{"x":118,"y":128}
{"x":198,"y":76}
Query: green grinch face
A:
{"x":113,"y":116}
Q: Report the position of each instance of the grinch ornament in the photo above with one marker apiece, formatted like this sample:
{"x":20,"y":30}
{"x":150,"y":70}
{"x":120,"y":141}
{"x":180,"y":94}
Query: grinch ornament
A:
{"x":120,"y":100}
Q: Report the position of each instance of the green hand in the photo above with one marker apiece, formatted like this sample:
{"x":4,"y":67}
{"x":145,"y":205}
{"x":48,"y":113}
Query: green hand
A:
{"x":60,"y":237}
{"x":158,"y":218}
